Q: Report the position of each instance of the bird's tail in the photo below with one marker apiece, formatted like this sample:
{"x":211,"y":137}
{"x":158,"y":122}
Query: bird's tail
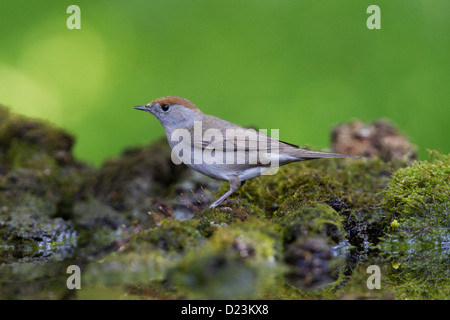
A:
{"x":305,"y":154}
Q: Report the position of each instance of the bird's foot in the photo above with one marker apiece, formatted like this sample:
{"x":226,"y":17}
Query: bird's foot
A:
{"x":231,"y":202}
{"x":224,"y":204}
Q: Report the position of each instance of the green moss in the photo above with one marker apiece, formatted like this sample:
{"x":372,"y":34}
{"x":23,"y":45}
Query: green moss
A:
{"x":237,"y":261}
{"x":356,"y":182}
{"x":130,"y":268}
{"x":414,"y":189}
{"x":170,"y":235}
{"x":418,"y":199}
{"x":351,"y":187}
{"x":355,"y":286}
{"x":26,"y":138}
{"x":319,"y":219}
{"x":147,"y":255}
{"x":39,"y":181}
{"x":308,"y":234}
{"x":277,"y":238}
{"x":26,"y":233}
{"x":419,"y":266}
{"x":42,"y":279}
{"x":210,"y":220}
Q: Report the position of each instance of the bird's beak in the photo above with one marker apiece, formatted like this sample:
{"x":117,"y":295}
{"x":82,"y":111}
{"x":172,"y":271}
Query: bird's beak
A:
{"x":142,"y":108}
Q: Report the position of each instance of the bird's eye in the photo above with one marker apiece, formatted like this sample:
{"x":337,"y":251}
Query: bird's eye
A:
{"x":165,"y":107}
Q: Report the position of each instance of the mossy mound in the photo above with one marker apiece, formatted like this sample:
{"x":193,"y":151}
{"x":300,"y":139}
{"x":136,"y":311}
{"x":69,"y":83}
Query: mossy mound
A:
{"x":356,"y":183}
{"x":417,"y":240}
{"x":140,"y":226}
{"x":419,"y":188}
{"x":301,"y":215}
{"x":23,"y":141}
{"x":418,"y":200}
{"x":39,"y":183}
{"x":304,"y":214}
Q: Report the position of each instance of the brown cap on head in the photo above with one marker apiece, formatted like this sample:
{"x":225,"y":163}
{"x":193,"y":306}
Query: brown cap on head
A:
{"x":172,"y":100}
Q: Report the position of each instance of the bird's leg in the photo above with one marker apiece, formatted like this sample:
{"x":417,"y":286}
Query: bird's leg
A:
{"x":235,"y":184}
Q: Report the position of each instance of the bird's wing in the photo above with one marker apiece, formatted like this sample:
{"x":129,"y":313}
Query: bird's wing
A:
{"x":225,"y":136}
{"x":219,"y":134}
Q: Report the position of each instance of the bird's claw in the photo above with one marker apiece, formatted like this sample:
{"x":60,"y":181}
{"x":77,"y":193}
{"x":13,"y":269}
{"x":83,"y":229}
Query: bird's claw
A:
{"x":230,"y":202}
{"x":222,"y":205}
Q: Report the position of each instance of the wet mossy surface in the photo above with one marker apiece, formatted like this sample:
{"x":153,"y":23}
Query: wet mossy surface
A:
{"x":139,"y":226}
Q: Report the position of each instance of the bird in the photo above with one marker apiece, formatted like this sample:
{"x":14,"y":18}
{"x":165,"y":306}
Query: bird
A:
{"x":221,"y":149}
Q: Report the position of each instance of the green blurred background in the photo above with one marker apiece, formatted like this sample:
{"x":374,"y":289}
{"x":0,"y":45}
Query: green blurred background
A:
{"x":298,"y":66}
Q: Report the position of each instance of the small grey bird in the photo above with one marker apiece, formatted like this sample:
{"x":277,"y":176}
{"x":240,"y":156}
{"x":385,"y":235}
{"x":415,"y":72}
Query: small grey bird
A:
{"x":221,"y":149}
